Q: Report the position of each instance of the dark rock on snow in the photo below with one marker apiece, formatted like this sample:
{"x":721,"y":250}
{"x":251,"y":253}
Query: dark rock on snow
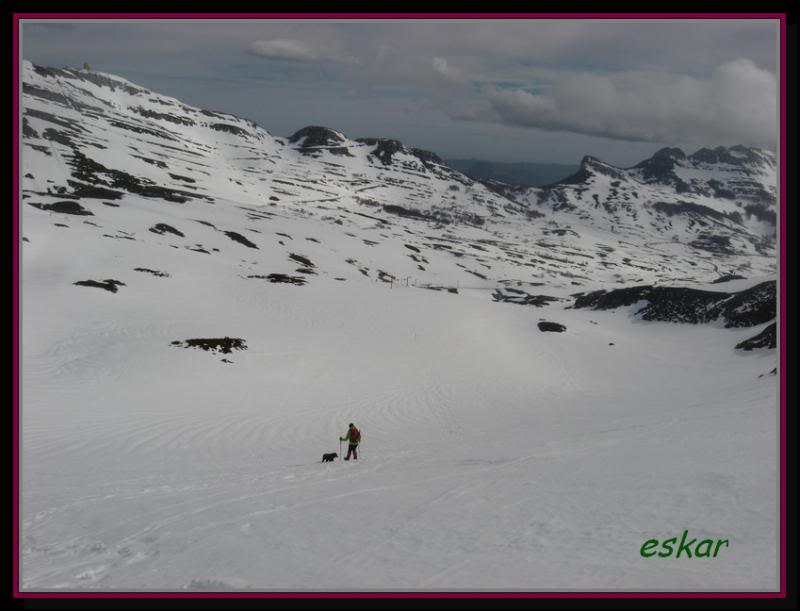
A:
{"x":747,"y":308}
{"x":521,"y":297}
{"x":238,"y":237}
{"x":281,"y":278}
{"x":155,"y":272}
{"x":226,"y":345}
{"x":108,"y":285}
{"x":765,"y":339}
{"x":162,"y":228}
{"x":727,"y":278}
{"x":65,"y":208}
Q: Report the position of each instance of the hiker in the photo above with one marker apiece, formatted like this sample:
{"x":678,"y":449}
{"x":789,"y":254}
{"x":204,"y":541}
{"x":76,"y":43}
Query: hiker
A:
{"x":353,"y":436}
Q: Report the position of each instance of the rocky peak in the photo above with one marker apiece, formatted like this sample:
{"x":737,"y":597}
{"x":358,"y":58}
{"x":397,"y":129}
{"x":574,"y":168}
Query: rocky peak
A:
{"x":738,"y":155}
{"x":669,"y":153}
{"x":427,"y":156}
{"x":316,"y":135}
{"x":661,"y":166}
{"x":596,"y":166}
{"x":706,"y":155}
{"x":100,"y":79}
{"x":385,"y":148}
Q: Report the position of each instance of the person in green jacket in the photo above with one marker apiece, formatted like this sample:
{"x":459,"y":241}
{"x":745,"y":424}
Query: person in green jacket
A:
{"x":353,"y":437}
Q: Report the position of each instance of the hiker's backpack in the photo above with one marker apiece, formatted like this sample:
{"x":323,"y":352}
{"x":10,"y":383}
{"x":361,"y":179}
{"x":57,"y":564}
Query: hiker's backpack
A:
{"x":355,"y":435}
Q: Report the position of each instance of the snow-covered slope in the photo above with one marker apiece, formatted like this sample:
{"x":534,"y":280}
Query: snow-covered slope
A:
{"x":334,"y":280}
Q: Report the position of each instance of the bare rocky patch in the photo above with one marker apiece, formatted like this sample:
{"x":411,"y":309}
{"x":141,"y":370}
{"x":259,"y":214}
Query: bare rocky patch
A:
{"x":281,"y":278}
{"x":304,"y":261}
{"x":518,"y":296}
{"x":386,"y":277}
{"x":238,"y":237}
{"x":728,"y":278}
{"x":551,"y":326}
{"x":108,"y":285}
{"x":155,"y":272}
{"x":746,"y":308}
{"x":765,"y":339}
{"x":449,"y":289}
{"x":225,"y":345}
{"x":179,"y":177}
{"x":64,"y":207}
{"x":162,"y":228}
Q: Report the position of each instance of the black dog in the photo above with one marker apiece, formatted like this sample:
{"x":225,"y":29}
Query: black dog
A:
{"x":329,"y":457}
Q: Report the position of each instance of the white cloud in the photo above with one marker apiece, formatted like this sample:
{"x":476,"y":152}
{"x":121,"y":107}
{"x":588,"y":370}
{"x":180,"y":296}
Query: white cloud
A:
{"x":450,"y":74}
{"x":735,"y":104}
{"x":289,"y":49}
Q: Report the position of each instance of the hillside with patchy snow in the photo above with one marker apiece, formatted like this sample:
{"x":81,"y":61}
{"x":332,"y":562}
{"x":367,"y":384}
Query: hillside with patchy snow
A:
{"x":544,"y":378}
{"x":98,"y":140}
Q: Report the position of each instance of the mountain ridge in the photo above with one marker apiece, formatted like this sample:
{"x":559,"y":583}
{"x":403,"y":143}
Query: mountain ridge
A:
{"x":90,"y":136}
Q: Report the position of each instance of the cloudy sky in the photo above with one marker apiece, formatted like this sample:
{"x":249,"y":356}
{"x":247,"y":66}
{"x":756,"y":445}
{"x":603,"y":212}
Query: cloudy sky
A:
{"x":510,"y":90}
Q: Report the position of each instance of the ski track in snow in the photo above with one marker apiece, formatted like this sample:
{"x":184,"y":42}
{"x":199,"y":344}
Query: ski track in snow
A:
{"x":169,"y":517}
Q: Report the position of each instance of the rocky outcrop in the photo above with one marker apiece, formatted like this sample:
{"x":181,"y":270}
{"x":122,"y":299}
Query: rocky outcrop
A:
{"x":747,"y":308}
{"x":765,"y":339}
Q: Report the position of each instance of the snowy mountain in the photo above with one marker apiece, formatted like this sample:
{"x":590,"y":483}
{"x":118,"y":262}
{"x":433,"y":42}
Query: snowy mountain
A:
{"x":95,"y":139}
{"x":721,"y":200}
{"x":544,"y":378}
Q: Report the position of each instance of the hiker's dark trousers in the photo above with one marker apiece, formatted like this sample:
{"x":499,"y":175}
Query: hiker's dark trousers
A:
{"x":351,"y":449}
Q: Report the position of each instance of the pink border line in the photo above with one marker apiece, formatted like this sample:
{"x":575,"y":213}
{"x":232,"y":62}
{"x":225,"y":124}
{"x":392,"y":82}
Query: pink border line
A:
{"x":15,"y":257}
{"x":422,"y":16}
{"x":403,"y":595}
{"x":400,"y":16}
{"x":783,"y":291}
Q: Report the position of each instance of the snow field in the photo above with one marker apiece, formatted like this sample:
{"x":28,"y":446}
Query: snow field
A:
{"x":495,"y":456}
